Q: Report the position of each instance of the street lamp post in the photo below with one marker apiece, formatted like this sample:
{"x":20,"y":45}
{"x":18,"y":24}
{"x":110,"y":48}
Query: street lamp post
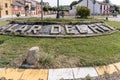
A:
{"x":94,"y":1}
{"x":58,"y":14}
{"x":87,"y":3}
{"x":41,"y":10}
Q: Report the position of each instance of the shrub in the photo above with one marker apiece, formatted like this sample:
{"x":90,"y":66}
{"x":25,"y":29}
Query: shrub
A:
{"x":18,"y":15}
{"x":82,"y":11}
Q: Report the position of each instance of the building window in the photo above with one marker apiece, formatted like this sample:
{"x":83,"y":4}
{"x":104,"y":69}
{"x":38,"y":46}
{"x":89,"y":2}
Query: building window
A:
{"x":14,"y":13}
{"x":22,"y":8}
{"x":104,"y":7}
{"x":6,"y":12}
{"x":6,"y":5}
{"x":101,"y":7}
{"x":16,"y":7}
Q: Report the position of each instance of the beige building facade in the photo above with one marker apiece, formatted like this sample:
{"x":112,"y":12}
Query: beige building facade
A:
{"x":5,"y":8}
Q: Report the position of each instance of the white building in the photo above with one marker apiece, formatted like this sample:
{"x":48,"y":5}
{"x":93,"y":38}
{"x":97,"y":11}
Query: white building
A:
{"x":99,"y":7}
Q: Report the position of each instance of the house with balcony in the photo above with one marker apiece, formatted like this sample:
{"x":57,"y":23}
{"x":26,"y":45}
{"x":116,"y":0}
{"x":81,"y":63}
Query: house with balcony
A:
{"x":18,"y":8}
{"x":34,"y":7}
{"x":99,"y":8}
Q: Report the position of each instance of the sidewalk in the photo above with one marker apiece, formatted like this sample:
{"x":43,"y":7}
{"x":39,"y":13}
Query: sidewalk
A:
{"x":59,"y":74}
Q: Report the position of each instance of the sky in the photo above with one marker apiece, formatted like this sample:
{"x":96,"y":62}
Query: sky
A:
{"x":67,"y":2}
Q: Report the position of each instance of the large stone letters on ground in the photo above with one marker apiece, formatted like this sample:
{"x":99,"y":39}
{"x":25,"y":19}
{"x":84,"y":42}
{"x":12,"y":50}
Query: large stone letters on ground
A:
{"x":62,"y":30}
{"x":68,"y":29}
{"x":5,"y":27}
{"x":34,"y":29}
{"x":95,"y":28}
{"x":83,"y":29}
{"x":10,"y":29}
{"x":21,"y":29}
{"x":56,"y":29}
{"x":103,"y":27}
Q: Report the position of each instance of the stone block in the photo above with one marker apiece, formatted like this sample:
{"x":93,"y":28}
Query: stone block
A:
{"x":32,"y":58}
{"x":36,"y":49}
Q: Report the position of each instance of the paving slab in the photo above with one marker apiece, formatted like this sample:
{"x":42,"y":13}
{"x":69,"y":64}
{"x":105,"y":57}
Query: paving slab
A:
{"x":24,"y":74}
{"x":35,"y":74}
{"x":83,"y":72}
{"x":57,"y":74}
{"x":0,"y":69}
{"x":109,"y":69}
{"x":12,"y":73}
{"x":117,"y":65}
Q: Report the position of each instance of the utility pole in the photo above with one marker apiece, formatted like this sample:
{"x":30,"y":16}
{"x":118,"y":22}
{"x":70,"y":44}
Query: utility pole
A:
{"x":94,"y":1}
{"x":24,"y":7}
{"x":87,"y":3}
{"x":58,"y":14}
{"x":41,"y":10}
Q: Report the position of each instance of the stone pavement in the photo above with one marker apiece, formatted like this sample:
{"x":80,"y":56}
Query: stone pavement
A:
{"x":57,"y":74}
{"x":24,"y":74}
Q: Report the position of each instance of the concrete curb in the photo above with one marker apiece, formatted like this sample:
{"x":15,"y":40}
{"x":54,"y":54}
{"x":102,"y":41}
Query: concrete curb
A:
{"x":71,"y":73}
{"x":57,"y":74}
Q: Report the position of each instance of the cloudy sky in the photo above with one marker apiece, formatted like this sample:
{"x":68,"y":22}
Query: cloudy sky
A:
{"x":67,"y":2}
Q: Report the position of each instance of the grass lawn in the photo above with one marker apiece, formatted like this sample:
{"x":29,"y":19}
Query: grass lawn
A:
{"x":113,"y":23}
{"x":3,"y":22}
{"x":54,"y":19}
{"x":60,"y":52}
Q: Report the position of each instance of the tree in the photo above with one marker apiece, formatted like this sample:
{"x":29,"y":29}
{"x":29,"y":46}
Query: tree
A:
{"x":55,"y":9}
{"x":82,"y":11}
{"x":26,"y":9}
{"x":18,"y":14}
{"x":61,"y":8}
{"x":106,"y":1}
{"x":50,"y":9}
{"x":116,"y":8}
{"x":73,"y":3}
{"x":45,"y":9}
{"x":80,"y":1}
